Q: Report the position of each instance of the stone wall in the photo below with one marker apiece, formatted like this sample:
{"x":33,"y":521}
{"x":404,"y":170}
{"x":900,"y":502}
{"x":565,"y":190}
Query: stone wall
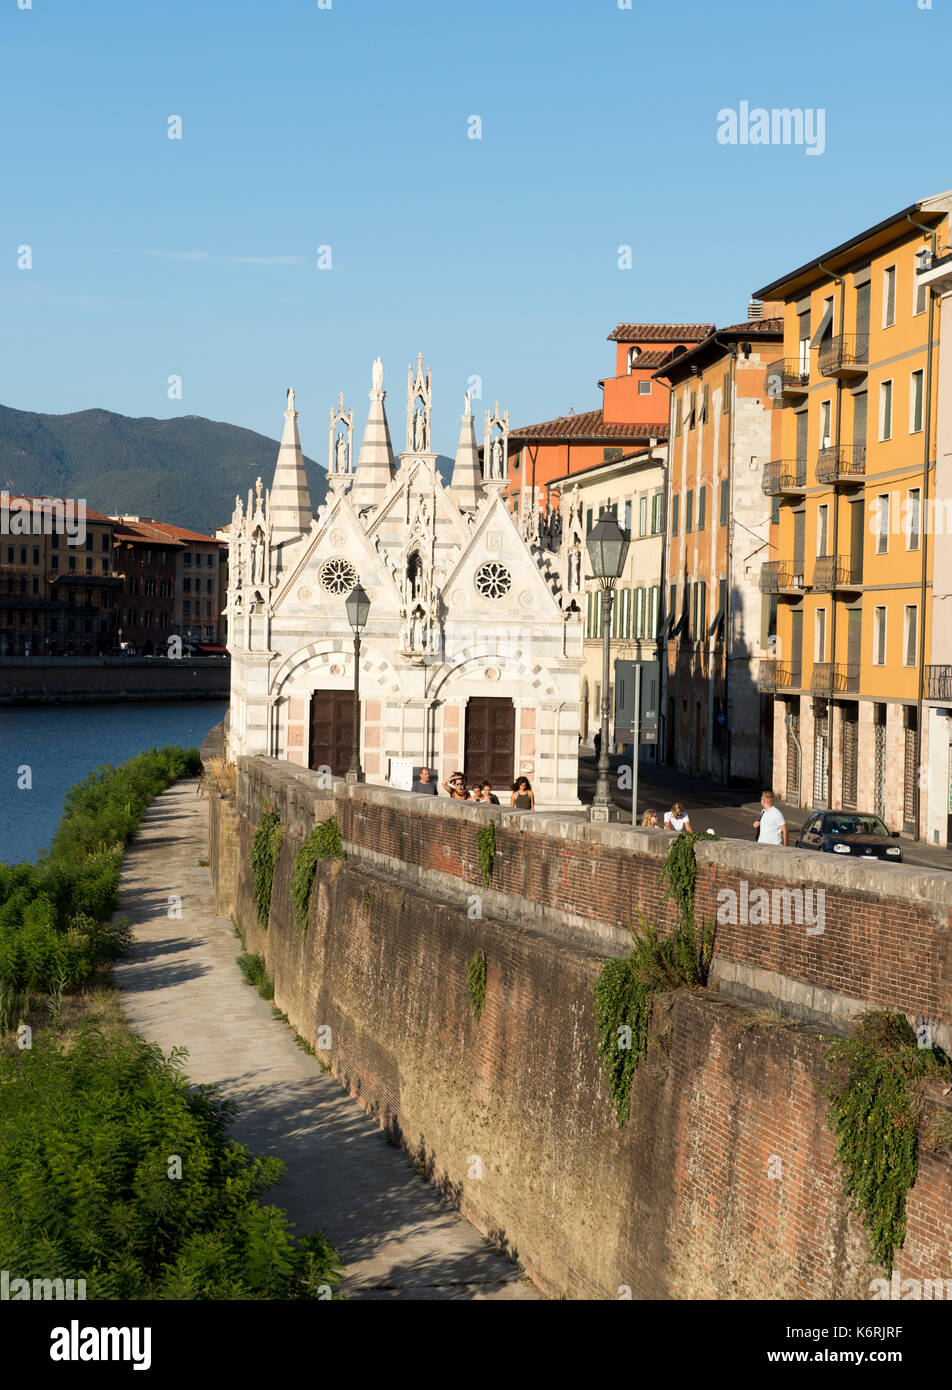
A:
{"x":723,"y":1182}
{"x":66,"y":680}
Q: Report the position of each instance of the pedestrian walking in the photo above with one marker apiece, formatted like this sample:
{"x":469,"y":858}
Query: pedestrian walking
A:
{"x":771,"y":828}
{"x":677,"y":818}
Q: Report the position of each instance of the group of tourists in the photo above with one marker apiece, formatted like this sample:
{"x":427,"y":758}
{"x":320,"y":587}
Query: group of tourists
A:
{"x":481,"y":790}
{"x":771,"y":827}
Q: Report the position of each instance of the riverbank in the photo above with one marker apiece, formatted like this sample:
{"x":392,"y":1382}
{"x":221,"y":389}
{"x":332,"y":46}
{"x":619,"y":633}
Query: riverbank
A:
{"x":95,"y":680}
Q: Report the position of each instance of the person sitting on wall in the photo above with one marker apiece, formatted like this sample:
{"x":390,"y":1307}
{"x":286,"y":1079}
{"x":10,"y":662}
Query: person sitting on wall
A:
{"x":423,"y":783}
{"x":523,"y":798}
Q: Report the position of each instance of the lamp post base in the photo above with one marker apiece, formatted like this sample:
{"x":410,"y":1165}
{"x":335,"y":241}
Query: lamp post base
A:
{"x":351,"y":776}
{"x":603,"y":813}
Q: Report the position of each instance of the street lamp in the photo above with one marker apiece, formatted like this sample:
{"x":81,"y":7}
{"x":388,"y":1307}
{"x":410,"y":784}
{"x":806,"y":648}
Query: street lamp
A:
{"x":358,"y":611}
{"x":607,"y":551}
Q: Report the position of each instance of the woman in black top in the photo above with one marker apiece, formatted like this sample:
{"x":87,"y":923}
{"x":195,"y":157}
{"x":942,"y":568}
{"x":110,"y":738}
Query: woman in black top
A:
{"x":522,"y":796}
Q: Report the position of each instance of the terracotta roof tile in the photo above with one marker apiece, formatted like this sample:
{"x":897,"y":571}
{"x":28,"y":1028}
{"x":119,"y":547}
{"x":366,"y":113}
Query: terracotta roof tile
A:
{"x":589,"y":425}
{"x":651,"y":357}
{"x":660,"y":332}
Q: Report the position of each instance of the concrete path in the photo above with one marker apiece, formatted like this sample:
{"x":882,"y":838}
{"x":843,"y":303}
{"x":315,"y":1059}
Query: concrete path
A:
{"x":180,"y":987}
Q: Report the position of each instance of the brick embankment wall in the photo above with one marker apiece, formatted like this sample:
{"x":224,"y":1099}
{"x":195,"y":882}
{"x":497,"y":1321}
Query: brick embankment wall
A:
{"x":723,"y":1182}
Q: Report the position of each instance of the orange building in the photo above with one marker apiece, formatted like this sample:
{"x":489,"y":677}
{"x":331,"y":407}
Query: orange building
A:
{"x":633,"y":415}
{"x":723,"y":430}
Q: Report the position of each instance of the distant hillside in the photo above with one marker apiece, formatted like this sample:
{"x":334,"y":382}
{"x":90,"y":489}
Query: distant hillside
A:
{"x":186,"y":471}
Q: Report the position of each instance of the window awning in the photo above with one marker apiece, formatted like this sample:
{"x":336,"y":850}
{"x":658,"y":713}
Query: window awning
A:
{"x":680,"y":625}
{"x":717,"y":623}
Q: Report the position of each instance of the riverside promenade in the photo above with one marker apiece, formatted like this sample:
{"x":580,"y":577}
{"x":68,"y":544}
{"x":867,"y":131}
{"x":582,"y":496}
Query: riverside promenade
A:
{"x":180,"y":987}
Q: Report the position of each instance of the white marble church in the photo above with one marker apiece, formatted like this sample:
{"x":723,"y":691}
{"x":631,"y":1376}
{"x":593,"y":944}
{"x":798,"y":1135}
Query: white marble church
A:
{"x":472,"y":653}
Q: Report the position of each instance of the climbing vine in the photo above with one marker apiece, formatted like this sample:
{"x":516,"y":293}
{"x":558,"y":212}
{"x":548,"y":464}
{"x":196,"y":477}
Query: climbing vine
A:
{"x":324,"y":842}
{"x":486,"y":850}
{"x":476,"y":983}
{"x":876,"y":1113}
{"x":680,"y":871}
{"x":265,"y":848}
{"x":624,"y":997}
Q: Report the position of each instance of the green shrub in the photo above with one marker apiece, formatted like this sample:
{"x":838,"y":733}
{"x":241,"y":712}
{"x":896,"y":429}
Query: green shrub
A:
{"x":54,"y":916}
{"x":88,"y":1139}
{"x":476,"y":983}
{"x":624,"y":997}
{"x":255,"y":972}
{"x":875,"y":1114}
{"x":324,"y":842}
{"x":486,"y":851}
{"x":265,"y":848}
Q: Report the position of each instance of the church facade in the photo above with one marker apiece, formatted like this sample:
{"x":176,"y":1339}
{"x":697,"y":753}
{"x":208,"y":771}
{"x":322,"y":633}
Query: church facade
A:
{"x":472,"y":652}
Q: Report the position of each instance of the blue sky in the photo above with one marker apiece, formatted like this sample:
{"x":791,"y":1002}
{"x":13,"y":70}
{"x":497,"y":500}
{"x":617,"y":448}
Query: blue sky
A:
{"x":347,"y":127}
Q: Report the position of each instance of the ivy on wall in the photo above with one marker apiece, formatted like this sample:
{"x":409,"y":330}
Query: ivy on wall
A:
{"x":476,"y":983}
{"x":625,"y":989}
{"x":265,"y":848}
{"x":876,"y":1114}
{"x":324,"y":842}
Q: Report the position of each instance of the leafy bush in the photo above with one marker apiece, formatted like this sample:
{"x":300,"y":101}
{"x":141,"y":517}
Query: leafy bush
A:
{"x":54,"y":916}
{"x":88,"y":1184}
{"x":255,"y":971}
{"x":875,"y":1114}
{"x":324,"y":842}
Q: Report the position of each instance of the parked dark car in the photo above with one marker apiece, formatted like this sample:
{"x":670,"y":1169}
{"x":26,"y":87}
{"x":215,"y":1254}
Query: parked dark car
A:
{"x":849,"y":832}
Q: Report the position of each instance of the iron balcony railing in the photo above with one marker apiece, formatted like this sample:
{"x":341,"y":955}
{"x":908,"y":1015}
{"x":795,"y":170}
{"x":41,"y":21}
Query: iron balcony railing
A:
{"x":847,"y":353}
{"x":834,"y":678}
{"x":786,"y":377}
{"x":784,"y":475}
{"x":778,"y":675}
{"x":841,"y":463}
{"x":778,"y":575}
{"x":939,"y":683}
{"x":837,"y":572}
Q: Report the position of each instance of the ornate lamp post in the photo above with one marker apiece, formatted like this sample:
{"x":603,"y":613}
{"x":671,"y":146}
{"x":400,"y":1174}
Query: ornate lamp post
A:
{"x":607,"y":551}
{"x":357,"y":604}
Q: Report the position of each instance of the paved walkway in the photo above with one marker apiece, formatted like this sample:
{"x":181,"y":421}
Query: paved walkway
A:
{"x":181,"y":987}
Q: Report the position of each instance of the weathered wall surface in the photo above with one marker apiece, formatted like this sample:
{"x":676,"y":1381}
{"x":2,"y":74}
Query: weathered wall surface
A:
{"x":723,"y":1182}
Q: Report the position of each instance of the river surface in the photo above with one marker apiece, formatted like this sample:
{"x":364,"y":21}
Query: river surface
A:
{"x":60,"y":745}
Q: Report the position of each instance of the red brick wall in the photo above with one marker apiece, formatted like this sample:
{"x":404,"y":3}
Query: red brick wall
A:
{"x":723,"y":1182}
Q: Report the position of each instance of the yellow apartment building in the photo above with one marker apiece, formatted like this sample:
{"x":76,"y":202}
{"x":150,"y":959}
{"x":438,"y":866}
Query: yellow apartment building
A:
{"x":853,"y":564}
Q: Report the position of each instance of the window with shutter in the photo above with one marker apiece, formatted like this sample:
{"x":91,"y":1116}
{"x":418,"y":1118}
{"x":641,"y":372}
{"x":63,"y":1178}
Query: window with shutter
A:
{"x":643,"y":516}
{"x":701,"y":508}
{"x":723,"y":502}
{"x":879,"y":636}
{"x":657,"y":502}
{"x":885,"y":410}
{"x":689,"y":511}
{"x":726,"y":394}
{"x":915,"y":402}
{"x":911,"y":635}
{"x":675,"y":509}
{"x":913,"y":518}
{"x":889,"y":296}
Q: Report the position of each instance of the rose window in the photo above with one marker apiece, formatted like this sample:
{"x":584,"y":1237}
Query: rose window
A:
{"x":338,"y":576}
{"x":493,"y":580}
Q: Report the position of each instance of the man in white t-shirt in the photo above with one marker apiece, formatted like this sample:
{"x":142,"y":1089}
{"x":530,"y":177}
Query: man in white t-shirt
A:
{"x":771,"y":828}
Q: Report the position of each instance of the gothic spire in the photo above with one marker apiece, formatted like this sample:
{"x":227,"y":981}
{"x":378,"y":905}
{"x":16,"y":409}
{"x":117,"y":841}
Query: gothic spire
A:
{"x":290,"y":499}
{"x":375,"y":465}
{"x":467,"y":480}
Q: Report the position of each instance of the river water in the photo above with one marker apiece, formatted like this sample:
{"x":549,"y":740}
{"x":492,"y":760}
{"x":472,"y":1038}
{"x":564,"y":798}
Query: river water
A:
{"x":59,"y":745}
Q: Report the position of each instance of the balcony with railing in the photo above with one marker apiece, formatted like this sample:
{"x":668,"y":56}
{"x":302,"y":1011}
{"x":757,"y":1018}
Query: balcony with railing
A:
{"x":779,"y":675}
{"x":837,"y":572}
{"x":834,"y":678}
{"x":841,"y":463}
{"x":939,"y":683}
{"x":776,"y":576}
{"x":845,"y":355}
{"x":784,"y":476}
{"x":786,"y":377}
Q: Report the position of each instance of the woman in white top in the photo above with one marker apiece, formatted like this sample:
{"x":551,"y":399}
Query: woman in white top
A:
{"x":677,"y":818}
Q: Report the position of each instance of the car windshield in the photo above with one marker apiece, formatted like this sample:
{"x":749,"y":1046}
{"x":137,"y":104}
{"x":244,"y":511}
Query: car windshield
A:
{"x":854,"y":825}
